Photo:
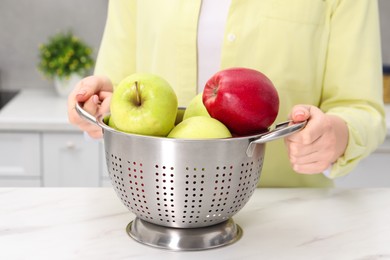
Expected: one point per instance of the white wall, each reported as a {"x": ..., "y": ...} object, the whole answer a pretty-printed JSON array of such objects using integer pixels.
[
  {"x": 384, "y": 9},
  {"x": 24, "y": 24}
]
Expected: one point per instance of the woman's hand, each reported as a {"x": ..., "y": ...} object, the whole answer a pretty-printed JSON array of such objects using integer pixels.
[
  {"x": 322, "y": 141},
  {"x": 95, "y": 92}
]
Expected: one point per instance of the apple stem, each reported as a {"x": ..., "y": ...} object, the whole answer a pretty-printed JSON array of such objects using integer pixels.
[
  {"x": 215, "y": 90},
  {"x": 138, "y": 94}
]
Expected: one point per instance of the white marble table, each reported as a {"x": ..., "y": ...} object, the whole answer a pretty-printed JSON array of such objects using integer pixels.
[{"x": 89, "y": 223}]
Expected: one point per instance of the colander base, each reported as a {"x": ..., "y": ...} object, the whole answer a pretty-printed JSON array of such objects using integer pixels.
[{"x": 184, "y": 239}]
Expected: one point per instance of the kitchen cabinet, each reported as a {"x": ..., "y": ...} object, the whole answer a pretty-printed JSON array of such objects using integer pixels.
[
  {"x": 20, "y": 159},
  {"x": 49, "y": 159},
  {"x": 40, "y": 148},
  {"x": 69, "y": 160}
]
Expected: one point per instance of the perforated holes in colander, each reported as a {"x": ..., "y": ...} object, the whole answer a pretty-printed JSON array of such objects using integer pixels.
[
  {"x": 249, "y": 177},
  {"x": 222, "y": 191},
  {"x": 127, "y": 179},
  {"x": 164, "y": 181},
  {"x": 139, "y": 202},
  {"x": 193, "y": 196},
  {"x": 115, "y": 168}
]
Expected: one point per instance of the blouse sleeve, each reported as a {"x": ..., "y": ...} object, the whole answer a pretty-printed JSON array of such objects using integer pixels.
[{"x": 353, "y": 79}]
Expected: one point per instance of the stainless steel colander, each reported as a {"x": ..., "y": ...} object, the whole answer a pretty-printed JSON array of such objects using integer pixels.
[{"x": 180, "y": 183}]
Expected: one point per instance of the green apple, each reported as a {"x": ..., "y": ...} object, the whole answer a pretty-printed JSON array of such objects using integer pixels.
[
  {"x": 200, "y": 127},
  {"x": 144, "y": 104},
  {"x": 196, "y": 108},
  {"x": 110, "y": 123}
]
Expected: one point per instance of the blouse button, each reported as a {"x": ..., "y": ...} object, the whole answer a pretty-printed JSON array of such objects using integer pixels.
[{"x": 231, "y": 37}]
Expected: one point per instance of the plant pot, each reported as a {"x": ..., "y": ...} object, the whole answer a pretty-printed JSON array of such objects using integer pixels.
[{"x": 64, "y": 86}]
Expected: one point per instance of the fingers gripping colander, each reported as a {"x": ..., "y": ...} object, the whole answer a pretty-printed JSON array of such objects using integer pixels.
[{"x": 180, "y": 183}]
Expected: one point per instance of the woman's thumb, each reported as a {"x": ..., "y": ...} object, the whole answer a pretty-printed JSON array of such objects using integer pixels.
[{"x": 300, "y": 113}]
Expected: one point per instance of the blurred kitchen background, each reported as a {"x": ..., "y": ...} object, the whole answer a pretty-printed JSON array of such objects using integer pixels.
[
  {"x": 25, "y": 24},
  {"x": 37, "y": 146}
]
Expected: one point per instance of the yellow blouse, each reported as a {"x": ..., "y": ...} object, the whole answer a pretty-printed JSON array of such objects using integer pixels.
[{"x": 321, "y": 52}]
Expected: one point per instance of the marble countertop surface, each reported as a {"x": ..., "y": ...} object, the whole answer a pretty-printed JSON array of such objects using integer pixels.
[
  {"x": 89, "y": 223},
  {"x": 36, "y": 110}
]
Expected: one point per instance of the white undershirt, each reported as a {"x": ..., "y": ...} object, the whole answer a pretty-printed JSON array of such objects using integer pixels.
[{"x": 211, "y": 28}]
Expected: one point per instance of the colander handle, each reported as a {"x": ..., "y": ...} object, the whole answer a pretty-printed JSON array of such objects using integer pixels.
[
  {"x": 84, "y": 114},
  {"x": 281, "y": 130}
]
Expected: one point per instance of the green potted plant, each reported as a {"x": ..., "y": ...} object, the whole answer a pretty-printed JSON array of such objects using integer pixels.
[{"x": 65, "y": 59}]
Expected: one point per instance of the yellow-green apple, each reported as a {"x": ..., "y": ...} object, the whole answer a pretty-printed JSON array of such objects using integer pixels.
[
  {"x": 144, "y": 104},
  {"x": 196, "y": 108},
  {"x": 200, "y": 127},
  {"x": 243, "y": 99},
  {"x": 110, "y": 123}
]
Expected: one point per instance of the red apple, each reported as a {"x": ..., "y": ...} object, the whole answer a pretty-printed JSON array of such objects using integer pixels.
[{"x": 243, "y": 99}]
